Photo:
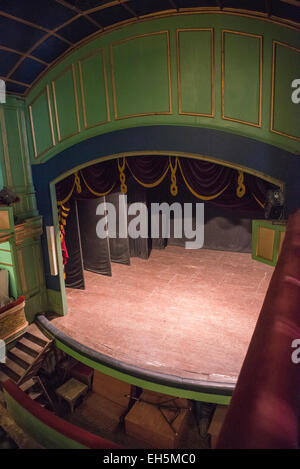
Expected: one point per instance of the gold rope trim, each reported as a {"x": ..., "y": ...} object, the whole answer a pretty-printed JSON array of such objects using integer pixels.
[
  {"x": 241, "y": 188},
  {"x": 62, "y": 202},
  {"x": 98, "y": 194},
  {"x": 154, "y": 184},
  {"x": 174, "y": 187},
  {"x": 258, "y": 201},
  {"x": 78, "y": 183},
  {"x": 122, "y": 175},
  {"x": 202, "y": 197}
]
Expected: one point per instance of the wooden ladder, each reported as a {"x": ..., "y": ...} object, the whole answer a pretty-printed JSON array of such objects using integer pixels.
[{"x": 24, "y": 361}]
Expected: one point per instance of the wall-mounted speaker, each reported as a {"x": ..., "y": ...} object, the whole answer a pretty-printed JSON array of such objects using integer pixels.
[{"x": 274, "y": 204}]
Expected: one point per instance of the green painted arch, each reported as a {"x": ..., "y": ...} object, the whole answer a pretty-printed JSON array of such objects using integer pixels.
[{"x": 224, "y": 72}]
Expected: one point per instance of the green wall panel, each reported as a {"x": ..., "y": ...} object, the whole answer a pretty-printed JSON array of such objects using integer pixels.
[
  {"x": 241, "y": 77},
  {"x": 141, "y": 75},
  {"x": 41, "y": 123},
  {"x": 66, "y": 104},
  {"x": 93, "y": 85},
  {"x": 286, "y": 67},
  {"x": 13, "y": 132},
  {"x": 139, "y": 88},
  {"x": 195, "y": 72},
  {"x": 14, "y": 156}
]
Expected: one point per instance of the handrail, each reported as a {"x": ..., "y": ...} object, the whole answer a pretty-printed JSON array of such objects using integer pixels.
[
  {"x": 165, "y": 379},
  {"x": 264, "y": 409},
  {"x": 68, "y": 430}
]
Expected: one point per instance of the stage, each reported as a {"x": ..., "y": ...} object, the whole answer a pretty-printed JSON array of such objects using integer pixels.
[{"x": 190, "y": 314}]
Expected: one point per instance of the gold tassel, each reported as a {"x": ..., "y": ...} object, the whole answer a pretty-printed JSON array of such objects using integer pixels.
[
  {"x": 241, "y": 188},
  {"x": 78, "y": 183},
  {"x": 122, "y": 176},
  {"x": 174, "y": 187}
]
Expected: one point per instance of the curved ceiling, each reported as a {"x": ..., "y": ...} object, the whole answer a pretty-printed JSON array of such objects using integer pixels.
[{"x": 34, "y": 35}]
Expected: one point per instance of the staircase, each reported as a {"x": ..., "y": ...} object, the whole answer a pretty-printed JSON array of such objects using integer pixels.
[{"x": 23, "y": 362}]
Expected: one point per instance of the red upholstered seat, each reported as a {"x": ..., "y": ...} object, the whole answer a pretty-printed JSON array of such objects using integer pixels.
[{"x": 17, "y": 302}]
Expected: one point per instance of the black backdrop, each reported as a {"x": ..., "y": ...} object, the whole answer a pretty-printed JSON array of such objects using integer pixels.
[{"x": 228, "y": 217}]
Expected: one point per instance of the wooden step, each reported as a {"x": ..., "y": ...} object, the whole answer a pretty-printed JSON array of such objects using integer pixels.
[
  {"x": 30, "y": 343},
  {"x": 34, "y": 394},
  {"x": 10, "y": 373},
  {"x": 28, "y": 385},
  {"x": 3, "y": 376},
  {"x": 15, "y": 367},
  {"x": 27, "y": 347},
  {"x": 36, "y": 331},
  {"x": 37, "y": 340},
  {"x": 15, "y": 358},
  {"x": 22, "y": 355}
]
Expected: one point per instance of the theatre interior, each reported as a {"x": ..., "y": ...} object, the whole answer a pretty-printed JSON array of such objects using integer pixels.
[{"x": 182, "y": 119}]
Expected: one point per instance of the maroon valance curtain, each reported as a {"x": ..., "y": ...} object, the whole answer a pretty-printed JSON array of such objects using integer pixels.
[{"x": 207, "y": 181}]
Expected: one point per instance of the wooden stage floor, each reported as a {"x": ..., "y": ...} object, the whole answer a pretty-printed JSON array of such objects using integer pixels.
[{"x": 186, "y": 313}]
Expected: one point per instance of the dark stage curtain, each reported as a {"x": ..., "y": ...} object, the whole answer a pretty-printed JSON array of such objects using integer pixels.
[
  {"x": 148, "y": 171},
  {"x": 96, "y": 253},
  {"x": 219, "y": 185},
  {"x": 170, "y": 179},
  {"x": 74, "y": 267},
  {"x": 98, "y": 180},
  {"x": 119, "y": 246},
  {"x": 139, "y": 247}
]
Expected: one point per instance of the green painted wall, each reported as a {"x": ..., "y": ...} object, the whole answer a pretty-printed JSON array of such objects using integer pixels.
[
  {"x": 42, "y": 433},
  {"x": 14, "y": 156},
  {"x": 20, "y": 254},
  {"x": 205, "y": 70}
]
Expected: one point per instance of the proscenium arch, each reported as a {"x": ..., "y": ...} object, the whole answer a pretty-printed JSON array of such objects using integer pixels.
[{"x": 242, "y": 153}]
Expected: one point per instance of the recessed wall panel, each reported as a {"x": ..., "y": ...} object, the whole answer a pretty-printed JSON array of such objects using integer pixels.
[
  {"x": 41, "y": 123},
  {"x": 285, "y": 114},
  {"x": 242, "y": 77},
  {"x": 141, "y": 75},
  {"x": 195, "y": 62},
  {"x": 94, "y": 93},
  {"x": 66, "y": 104}
]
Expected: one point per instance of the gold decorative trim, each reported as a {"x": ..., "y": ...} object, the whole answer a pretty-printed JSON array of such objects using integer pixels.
[
  {"x": 258, "y": 36},
  {"x": 274, "y": 44},
  {"x": 5, "y": 148},
  {"x": 212, "y": 114},
  {"x": 70, "y": 67},
  {"x": 26, "y": 149},
  {"x": 22, "y": 147},
  {"x": 113, "y": 77},
  {"x": 181, "y": 12},
  {"x": 21, "y": 270},
  {"x": 7, "y": 265},
  {"x": 101, "y": 53},
  {"x": 36, "y": 154}
]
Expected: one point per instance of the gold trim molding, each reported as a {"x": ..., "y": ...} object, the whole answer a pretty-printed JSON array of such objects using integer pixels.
[
  {"x": 113, "y": 77},
  {"x": 278, "y": 132},
  {"x": 258, "y": 36},
  {"x": 101, "y": 54},
  {"x": 47, "y": 91},
  {"x": 212, "y": 58},
  {"x": 72, "y": 68}
]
